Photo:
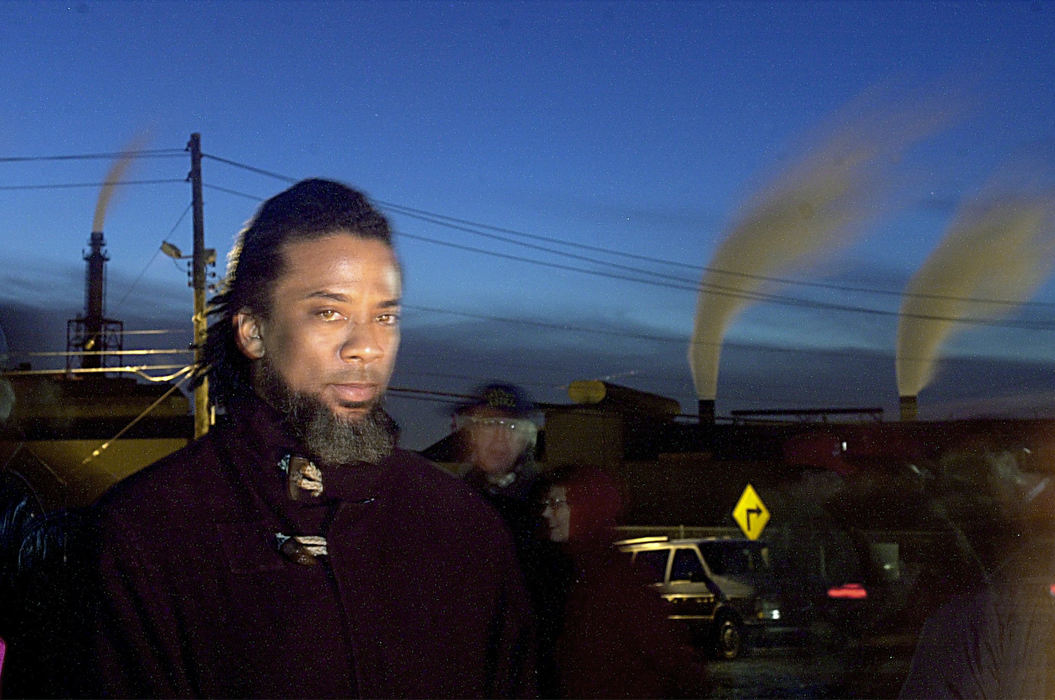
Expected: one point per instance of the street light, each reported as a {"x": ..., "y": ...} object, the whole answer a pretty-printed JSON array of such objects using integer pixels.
[{"x": 176, "y": 254}]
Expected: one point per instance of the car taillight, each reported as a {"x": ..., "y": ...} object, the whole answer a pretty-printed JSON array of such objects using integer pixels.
[{"x": 851, "y": 591}]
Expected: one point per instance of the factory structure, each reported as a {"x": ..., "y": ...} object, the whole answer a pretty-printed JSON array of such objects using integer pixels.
[{"x": 70, "y": 435}]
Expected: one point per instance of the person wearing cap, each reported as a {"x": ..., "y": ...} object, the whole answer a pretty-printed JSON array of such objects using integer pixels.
[
  {"x": 500, "y": 435},
  {"x": 499, "y": 439}
]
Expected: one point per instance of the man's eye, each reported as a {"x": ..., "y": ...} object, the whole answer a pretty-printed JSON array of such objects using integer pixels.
[
  {"x": 388, "y": 319},
  {"x": 327, "y": 314}
]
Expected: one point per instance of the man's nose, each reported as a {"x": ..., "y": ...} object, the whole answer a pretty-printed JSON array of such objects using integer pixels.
[
  {"x": 501, "y": 434},
  {"x": 362, "y": 343}
]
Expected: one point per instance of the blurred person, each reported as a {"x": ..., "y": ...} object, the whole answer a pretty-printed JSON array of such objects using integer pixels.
[
  {"x": 614, "y": 638},
  {"x": 995, "y": 637},
  {"x": 499, "y": 438},
  {"x": 500, "y": 441},
  {"x": 295, "y": 550}
]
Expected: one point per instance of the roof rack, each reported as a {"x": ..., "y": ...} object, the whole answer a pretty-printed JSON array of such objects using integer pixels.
[{"x": 644, "y": 540}]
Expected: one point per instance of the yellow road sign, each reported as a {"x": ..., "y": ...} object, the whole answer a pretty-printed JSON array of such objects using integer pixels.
[{"x": 750, "y": 513}]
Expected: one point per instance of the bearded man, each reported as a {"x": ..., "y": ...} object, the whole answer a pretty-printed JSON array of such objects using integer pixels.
[{"x": 294, "y": 550}]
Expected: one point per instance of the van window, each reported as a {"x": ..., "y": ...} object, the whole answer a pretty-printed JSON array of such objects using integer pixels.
[
  {"x": 687, "y": 566},
  {"x": 655, "y": 562},
  {"x": 733, "y": 559}
]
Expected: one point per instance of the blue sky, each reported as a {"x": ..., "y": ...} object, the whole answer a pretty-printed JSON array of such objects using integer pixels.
[{"x": 623, "y": 138}]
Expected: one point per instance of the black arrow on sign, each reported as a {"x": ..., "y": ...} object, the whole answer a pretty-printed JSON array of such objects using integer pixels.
[{"x": 756, "y": 510}]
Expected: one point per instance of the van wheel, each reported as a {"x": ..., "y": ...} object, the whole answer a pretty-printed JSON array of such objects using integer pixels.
[{"x": 728, "y": 638}]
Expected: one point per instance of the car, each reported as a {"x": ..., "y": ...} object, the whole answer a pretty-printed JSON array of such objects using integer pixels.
[{"x": 714, "y": 586}]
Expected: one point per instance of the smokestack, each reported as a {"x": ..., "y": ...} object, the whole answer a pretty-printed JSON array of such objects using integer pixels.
[
  {"x": 94, "y": 295},
  {"x": 706, "y": 411},
  {"x": 909, "y": 408}
]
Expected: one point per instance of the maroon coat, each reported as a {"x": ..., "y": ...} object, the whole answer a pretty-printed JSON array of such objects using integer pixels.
[
  {"x": 418, "y": 596},
  {"x": 616, "y": 640}
]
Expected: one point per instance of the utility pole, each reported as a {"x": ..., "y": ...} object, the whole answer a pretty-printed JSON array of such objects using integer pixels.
[{"x": 198, "y": 262}]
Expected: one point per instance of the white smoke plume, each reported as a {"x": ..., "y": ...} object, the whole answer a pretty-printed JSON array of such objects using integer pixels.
[
  {"x": 817, "y": 206},
  {"x": 998, "y": 250}
]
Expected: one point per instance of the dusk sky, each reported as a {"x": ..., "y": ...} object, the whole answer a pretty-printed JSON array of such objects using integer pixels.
[{"x": 562, "y": 176}]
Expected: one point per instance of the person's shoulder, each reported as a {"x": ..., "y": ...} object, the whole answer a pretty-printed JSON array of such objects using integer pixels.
[
  {"x": 427, "y": 487},
  {"x": 417, "y": 471},
  {"x": 167, "y": 484}
]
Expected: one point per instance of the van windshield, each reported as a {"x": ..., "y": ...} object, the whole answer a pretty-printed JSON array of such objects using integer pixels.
[{"x": 735, "y": 558}]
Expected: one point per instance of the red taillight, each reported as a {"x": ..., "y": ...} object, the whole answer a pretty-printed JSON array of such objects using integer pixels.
[{"x": 852, "y": 591}]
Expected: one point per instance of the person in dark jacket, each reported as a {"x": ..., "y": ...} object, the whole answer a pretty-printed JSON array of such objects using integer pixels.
[
  {"x": 499, "y": 433},
  {"x": 294, "y": 550},
  {"x": 995, "y": 636},
  {"x": 614, "y": 639},
  {"x": 499, "y": 440}
]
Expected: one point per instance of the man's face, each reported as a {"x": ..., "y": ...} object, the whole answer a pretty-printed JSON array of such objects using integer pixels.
[
  {"x": 496, "y": 441},
  {"x": 333, "y": 328},
  {"x": 557, "y": 513}
]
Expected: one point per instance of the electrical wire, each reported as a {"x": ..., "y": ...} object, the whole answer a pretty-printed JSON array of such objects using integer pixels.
[
  {"x": 154, "y": 257},
  {"x": 73, "y": 185},
  {"x": 103, "y": 447},
  {"x": 543, "y": 324},
  {"x": 638, "y": 275},
  {"x": 671, "y": 281},
  {"x": 89, "y": 353},
  {"x": 139, "y": 370},
  {"x": 756, "y": 296},
  {"x": 442, "y": 219},
  {"x": 151, "y": 153},
  {"x": 472, "y": 227}
]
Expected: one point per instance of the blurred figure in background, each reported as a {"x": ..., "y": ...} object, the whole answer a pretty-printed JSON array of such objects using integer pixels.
[
  {"x": 500, "y": 433},
  {"x": 996, "y": 637},
  {"x": 500, "y": 449},
  {"x": 613, "y": 638}
]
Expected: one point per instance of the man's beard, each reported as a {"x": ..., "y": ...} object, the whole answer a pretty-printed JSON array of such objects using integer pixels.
[{"x": 331, "y": 440}]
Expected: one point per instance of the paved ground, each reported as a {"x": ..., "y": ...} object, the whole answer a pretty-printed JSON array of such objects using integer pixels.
[{"x": 873, "y": 668}]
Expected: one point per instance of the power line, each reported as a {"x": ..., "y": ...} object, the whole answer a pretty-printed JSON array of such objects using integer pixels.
[
  {"x": 472, "y": 227},
  {"x": 253, "y": 197},
  {"x": 74, "y": 185},
  {"x": 155, "y": 331},
  {"x": 97, "y": 353},
  {"x": 426, "y": 395},
  {"x": 250, "y": 168},
  {"x": 154, "y": 153},
  {"x": 187, "y": 374},
  {"x": 677, "y": 340},
  {"x": 543, "y": 324},
  {"x": 153, "y": 257},
  {"x": 754, "y": 296},
  {"x": 669, "y": 281}
]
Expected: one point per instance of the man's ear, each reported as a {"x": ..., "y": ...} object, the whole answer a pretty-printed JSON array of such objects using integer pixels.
[{"x": 247, "y": 334}]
